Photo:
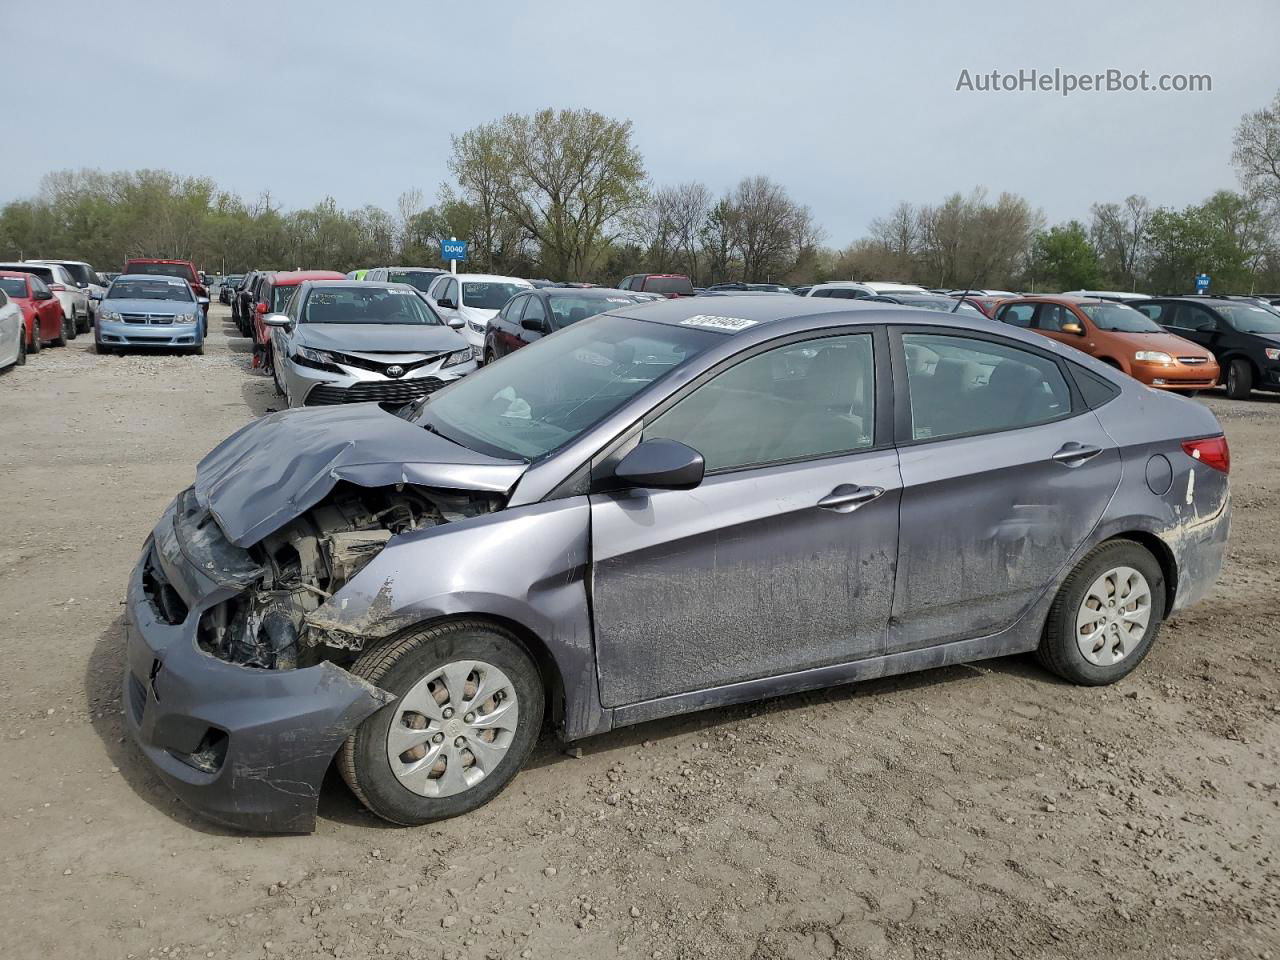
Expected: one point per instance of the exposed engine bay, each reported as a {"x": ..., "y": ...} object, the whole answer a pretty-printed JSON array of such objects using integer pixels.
[{"x": 302, "y": 564}]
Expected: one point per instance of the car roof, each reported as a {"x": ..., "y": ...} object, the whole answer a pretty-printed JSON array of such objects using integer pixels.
[
  {"x": 493, "y": 278},
  {"x": 599, "y": 293},
  {"x": 154, "y": 277},
  {"x": 411, "y": 269},
  {"x": 292, "y": 278},
  {"x": 158, "y": 260},
  {"x": 751, "y": 311}
]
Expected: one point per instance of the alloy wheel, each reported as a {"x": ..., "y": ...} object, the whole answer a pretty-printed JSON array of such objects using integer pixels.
[
  {"x": 1113, "y": 616},
  {"x": 452, "y": 728}
]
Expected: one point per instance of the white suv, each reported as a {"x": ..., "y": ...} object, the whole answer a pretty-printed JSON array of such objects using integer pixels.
[
  {"x": 852, "y": 290},
  {"x": 86, "y": 278},
  {"x": 73, "y": 297}
]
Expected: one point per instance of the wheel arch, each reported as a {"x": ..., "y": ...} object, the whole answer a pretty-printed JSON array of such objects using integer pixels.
[{"x": 1163, "y": 554}]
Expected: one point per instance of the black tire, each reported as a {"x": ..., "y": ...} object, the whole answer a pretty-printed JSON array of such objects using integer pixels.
[
  {"x": 197, "y": 351},
  {"x": 488, "y": 358},
  {"x": 73, "y": 328},
  {"x": 86, "y": 326},
  {"x": 101, "y": 348},
  {"x": 61, "y": 339},
  {"x": 399, "y": 664},
  {"x": 1239, "y": 379},
  {"x": 275, "y": 380},
  {"x": 22, "y": 347},
  {"x": 36, "y": 344},
  {"x": 1058, "y": 651}
]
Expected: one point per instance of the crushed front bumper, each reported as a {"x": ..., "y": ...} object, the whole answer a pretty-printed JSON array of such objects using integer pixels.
[{"x": 246, "y": 747}]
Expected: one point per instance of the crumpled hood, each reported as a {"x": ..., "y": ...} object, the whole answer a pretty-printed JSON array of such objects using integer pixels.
[
  {"x": 281, "y": 465},
  {"x": 365, "y": 338}
]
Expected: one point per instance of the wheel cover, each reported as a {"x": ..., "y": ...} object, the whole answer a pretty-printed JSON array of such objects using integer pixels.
[
  {"x": 453, "y": 728},
  {"x": 1114, "y": 616}
]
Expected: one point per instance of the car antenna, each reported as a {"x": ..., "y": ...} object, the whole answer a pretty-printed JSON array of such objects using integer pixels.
[{"x": 962, "y": 296}]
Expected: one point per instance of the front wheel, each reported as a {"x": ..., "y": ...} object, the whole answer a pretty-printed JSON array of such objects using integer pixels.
[
  {"x": 72, "y": 328},
  {"x": 1106, "y": 616},
  {"x": 468, "y": 708},
  {"x": 36, "y": 343},
  {"x": 1239, "y": 379},
  {"x": 21, "y": 361}
]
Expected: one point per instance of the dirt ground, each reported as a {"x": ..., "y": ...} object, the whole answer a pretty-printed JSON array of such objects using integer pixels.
[{"x": 978, "y": 811}]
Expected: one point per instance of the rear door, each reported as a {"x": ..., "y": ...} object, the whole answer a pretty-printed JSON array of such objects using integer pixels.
[
  {"x": 782, "y": 559},
  {"x": 1005, "y": 472}
]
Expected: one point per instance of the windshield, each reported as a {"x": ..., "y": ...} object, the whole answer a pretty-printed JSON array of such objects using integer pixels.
[
  {"x": 567, "y": 308},
  {"x": 367, "y": 305},
  {"x": 280, "y": 298},
  {"x": 415, "y": 278},
  {"x": 544, "y": 396},
  {"x": 1118, "y": 318},
  {"x": 180, "y": 270},
  {"x": 1251, "y": 319},
  {"x": 14, "y": 286},
  {"x": 489, "y": 295},
  {"x": 149, "y": 290},
  {"x": 668, "y": 285}
]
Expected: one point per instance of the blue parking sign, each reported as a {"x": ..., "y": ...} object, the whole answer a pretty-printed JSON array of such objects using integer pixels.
[
  {"x": 1202, "y": 282},
  {"x": 453, "y": 250}
]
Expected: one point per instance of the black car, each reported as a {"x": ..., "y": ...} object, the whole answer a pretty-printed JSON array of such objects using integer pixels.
[
  {"x": 238, "y": 298},
  {"x": 1243, "y": 336},
  {"x": 228, "y": 286},
  {"x": 538, "y": 312},
  {"x": 248, "y": 297},
  {"x": 740, "y": 287}
]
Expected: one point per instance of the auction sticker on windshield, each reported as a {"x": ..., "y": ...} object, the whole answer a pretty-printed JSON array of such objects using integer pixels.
[{"x": 731, "y": 324}]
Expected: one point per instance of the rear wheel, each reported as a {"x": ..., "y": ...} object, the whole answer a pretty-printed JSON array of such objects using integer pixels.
[
  {"x": 61, "y": 339},
  {"x": 468, "y": 708},
  {"x": 488, "y": 357},
  {"x": 1239, "y": 379},
  {"x": 1106, "y": 616},
  {"x": 83, "y": 324},
  {"x": 22, "y": 351},
  {"x": 35, "y": 344}
]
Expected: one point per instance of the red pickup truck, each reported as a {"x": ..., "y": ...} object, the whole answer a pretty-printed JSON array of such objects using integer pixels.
[{"x": 182, "y": 269}]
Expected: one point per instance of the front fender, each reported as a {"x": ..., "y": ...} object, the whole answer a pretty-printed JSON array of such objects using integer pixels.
[{"x": 527, "y": 565}]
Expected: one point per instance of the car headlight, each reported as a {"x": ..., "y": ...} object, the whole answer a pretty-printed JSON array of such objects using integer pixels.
[
  {"x": 457, "y": 357},
  {"x": 320, "y": 359},
  {"x": 1152, "y": 356},
  {"x": 111, "y": 316},
  {"x": 477, "y": 327},
  {"x": 185, "y": 318},
  {"x": 1272, "y": 354}
]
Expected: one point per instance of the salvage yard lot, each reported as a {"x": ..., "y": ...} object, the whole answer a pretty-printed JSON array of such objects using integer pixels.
[{"x": 986, "y": 810}]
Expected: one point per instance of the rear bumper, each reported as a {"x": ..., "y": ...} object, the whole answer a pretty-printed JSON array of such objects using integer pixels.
[
  {"x": 245, "y": 747},
  {"x": 1199, "y": 551}
]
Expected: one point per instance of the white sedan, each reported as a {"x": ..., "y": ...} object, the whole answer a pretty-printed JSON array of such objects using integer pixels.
[{"x": 13, "y": 334}]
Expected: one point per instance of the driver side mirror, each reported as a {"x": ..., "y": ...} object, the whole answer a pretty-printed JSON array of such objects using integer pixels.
[
  {"x": 534, "y": 324},
  {"x": 457, "y": 323},
  {"x": 44, "y": 295},
  {"x": 277, "y": 320},
  {"x": 1074, "y": 328},
  {"x": 662, "y": 464},
  {"x": 446, "y": 303}
]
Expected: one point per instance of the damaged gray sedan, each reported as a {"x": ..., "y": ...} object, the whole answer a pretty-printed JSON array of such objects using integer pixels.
[{"x": 654, "y": 511}]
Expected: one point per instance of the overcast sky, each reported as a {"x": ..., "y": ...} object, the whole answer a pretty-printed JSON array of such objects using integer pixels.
[{"x": 852, "y": 107}]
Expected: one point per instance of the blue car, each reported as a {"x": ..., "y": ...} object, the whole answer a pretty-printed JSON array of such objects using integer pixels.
[{"x": 149, "y": 311}]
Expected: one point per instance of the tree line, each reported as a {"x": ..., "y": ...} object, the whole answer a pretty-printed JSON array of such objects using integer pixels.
[{"x": 564, "y": 194}]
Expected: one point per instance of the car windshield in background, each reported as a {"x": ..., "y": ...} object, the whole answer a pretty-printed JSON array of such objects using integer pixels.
[
  {"x": 149, "y": 290},
  {"x": 487, "y": 295},
  {"x": 567, "y": 308},
  {"x": 367, "y": 305},
  {"x": 539, "y": 399},
  {"x": 280, "y": 298},
  {"x": 14, "y": 286},
  {"x": 1119, "y": 318},
  {"x": 668, "y": 285},
  {"x": 181, "y": 271},
  {"x": 1251, "y": 319},
  {"x": 415, "y": 278},
  {"x": 942, "y": 305},
  {"x": 80, "y": 273}
]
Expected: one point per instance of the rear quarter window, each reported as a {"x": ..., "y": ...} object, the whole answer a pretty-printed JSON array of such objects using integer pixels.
[{"x": 1095, "y": 389}]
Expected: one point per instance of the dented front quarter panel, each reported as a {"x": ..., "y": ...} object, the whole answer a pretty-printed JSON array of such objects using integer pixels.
[
  {"x": 525, "y": 565},
  {"x": 283, "y": 727}
]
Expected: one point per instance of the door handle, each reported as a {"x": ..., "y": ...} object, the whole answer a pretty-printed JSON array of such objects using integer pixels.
[
  {"x": 1073, "y": 454},
  {"x": 849, "y": 497}
]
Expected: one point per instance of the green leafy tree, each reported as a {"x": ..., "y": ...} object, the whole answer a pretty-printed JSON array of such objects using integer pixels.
[{"x": 1063, "y": 257}]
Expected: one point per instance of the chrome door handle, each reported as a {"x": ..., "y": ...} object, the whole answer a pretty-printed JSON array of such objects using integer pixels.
[
  {"x": 849, "y": 497},
  {"x": 1073, "y": 454}
]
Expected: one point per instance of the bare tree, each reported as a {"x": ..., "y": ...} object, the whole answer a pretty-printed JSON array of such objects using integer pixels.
[{"x": 1257, "y": 151}]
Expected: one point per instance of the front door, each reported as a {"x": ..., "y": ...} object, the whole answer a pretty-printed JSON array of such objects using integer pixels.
[
  {"x": 782, "y": 559},
  {"x": 1004, "y": 476}
]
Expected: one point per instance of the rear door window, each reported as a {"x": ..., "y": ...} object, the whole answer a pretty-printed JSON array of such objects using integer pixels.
[{"x": 1017, "y": 314}]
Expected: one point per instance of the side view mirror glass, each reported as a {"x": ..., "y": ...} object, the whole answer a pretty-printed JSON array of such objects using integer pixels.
[
  {"x": 662, "y": 464},
  {"x": 277, "y": 320}
]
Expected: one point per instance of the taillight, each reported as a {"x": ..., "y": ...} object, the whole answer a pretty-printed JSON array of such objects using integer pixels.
[
  {"x": 57, "y": 288},
  {"x": 1211, "y": 451}
]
